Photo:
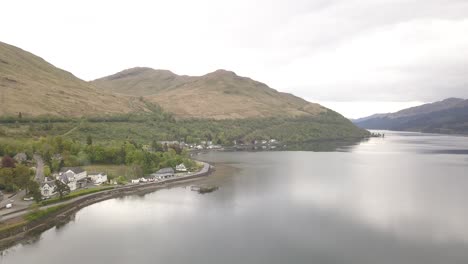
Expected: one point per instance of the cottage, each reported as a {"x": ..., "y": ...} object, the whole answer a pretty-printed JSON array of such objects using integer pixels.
[
  {"x": 69, "y": 179},
  {"x": 98, "y": 178},
  {"x": 48, "y": 188},
  {"x": 181, "y": 167},
  {"x": 74, "y": 177},
  {"x": 163, "y": 173},
  {"x": 79, "y": 173}
]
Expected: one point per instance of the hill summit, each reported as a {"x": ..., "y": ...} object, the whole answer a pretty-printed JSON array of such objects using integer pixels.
[{"x": 220, "y": 94}]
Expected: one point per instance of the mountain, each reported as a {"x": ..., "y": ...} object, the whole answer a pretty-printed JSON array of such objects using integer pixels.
[
  {"x": 220, "y": 105},
  {"x": 218, "y": 95},
  {"x": 447, "y": 116},
  {"x": 32, "y": 86}
]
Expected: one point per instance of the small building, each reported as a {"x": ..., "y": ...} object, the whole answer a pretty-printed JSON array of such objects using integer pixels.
[
  {"x": 48, "y": 188},
  {"x": 69, "y": 179},
  {"x": 163, "y": 173},
  {"x": 20, "y": 157},
  {"x": 181, "y": 167},
  {"x": 98, "y": 178},
  {"x": 79, "y": 173},
  {"x": 136, "y": 181}
]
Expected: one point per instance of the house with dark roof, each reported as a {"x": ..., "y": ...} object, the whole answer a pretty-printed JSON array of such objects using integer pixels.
[
  {"x": 69, "y": 179},
  {"x": 163, "y": 173},
  {"x": 74, "y": 177},
  {"x": 78, "y": 172}
]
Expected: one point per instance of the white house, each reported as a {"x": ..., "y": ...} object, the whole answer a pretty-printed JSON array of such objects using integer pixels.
[
  {"x": 69, "y": 179},
  {"x": 98, "y": 178},
  {"x": 72, "y": 176},
  {"x": 78, "y": 172},
  {"x": 47, "y": 188},
  {"x": 181, "y": 167},
  {"x": 136, "y": 181}
]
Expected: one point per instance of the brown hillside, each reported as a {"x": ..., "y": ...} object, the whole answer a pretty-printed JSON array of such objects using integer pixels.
[
  {"x": 32, "y": 86},
  {"x": 218, "y": 95}
]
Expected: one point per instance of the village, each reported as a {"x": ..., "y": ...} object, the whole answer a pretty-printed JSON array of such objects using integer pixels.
[
  {"x": 256, "y": 144},
  {"x": 70, "y": 180},
  {"x": 78, "y": 180}
]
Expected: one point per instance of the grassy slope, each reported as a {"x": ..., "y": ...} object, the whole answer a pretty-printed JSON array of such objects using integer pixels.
[
  {"x": 217, "y": 95},
  {"x": 30, "y": 85}
]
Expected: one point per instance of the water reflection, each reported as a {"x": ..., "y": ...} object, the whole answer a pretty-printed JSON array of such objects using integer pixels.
[
  {"x": 398, "y": 199},
  {"x": 411, "y": 196}
]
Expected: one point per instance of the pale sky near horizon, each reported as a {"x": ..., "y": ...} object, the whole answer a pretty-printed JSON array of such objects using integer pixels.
[{"x": 358, "y": 57}]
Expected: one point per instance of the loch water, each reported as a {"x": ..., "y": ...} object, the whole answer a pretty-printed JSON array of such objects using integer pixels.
[{"x": 393, "y": 200}]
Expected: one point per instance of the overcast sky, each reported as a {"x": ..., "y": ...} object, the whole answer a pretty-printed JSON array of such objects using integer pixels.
[{"x": 356, "y": 56}]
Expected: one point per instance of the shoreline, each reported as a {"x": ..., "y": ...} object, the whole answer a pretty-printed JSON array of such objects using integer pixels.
[{"x": 24, "y": 229}]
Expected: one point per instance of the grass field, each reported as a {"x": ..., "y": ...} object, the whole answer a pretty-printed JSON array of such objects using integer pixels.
[{"x": 112, "y": 171}]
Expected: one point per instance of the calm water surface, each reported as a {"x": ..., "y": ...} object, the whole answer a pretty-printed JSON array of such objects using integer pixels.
[{"x": 401, "y": 199}]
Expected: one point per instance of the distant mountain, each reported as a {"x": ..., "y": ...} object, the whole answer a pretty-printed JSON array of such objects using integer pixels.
[
  {"x": 218, "y": 95},
  {"x": 32, "y": 86},
  {"x": 447, "y": 116}
]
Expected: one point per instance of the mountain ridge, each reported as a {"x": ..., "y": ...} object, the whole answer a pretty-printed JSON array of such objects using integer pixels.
[
  {"x": 220, "y": 94},
  {"x": 447, "y": 116}
]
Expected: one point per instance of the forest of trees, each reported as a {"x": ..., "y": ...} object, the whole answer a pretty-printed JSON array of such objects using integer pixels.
[{"x": 162, "y": 126}]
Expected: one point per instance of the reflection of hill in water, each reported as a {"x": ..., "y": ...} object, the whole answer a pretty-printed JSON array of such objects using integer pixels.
[{"x": 328, "y": 145}]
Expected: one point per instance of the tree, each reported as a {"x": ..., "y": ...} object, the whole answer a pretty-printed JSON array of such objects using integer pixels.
[
  {"x": 61, "y": 188},
  {"x": 7, "y": 176},
  {"x": 47, "y": 171},
  {"x": 89, "y": 140},
  {"x": 22, "y": 176},
  {"x": 34, "y": 190},
  {"x": 156, "y": 147},
  {"x": 8, "y": 162}
]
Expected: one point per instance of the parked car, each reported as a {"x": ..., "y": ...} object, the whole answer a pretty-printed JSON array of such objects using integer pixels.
[
  {"x": 28, "y": 198},
  {"x": 7, "y": 206}
]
